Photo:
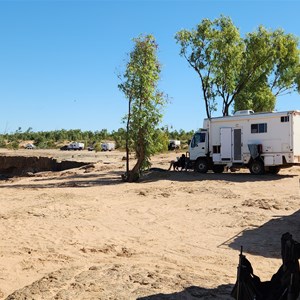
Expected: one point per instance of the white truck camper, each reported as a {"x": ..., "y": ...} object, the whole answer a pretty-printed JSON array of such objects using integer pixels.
[
  {"x": 174, "y": 144},
  {"x": 75, "y": 146},
  {"x": 108, "y": 146},
  {"x": 262, "y": 142}
]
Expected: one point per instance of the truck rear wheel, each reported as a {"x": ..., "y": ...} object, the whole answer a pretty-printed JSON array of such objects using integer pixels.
[
  {"x": 201, "y": 166},
  {"x": 257, "y": 167},
  {"x": 218, "y": 168},
  {"x": 274, "y": 169}
]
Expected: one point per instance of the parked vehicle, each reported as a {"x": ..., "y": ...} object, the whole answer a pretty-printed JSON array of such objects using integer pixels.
[
  {"x": 73, "y": 146},
  {"x": 262, "y": 142},
  {"x": 173, "y": 144},
  {"x": 30, "y": 146},
  {"x": 108, "y": 146}
]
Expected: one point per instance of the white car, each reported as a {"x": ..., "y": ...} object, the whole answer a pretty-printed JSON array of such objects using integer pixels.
[{"x": 30, "y": 146}]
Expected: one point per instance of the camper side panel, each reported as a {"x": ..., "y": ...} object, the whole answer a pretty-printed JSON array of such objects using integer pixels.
[
  {"x": 296, "y": 135},
  {"x": 273, "y": 132}
]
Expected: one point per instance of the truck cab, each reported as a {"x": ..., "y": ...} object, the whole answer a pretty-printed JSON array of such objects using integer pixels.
[
  {"x": 199, "y": 144},
  {"x": 199, "y": 156}
]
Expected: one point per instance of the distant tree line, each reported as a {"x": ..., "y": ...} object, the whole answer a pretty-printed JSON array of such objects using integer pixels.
[{"x": 55, "y": 139}]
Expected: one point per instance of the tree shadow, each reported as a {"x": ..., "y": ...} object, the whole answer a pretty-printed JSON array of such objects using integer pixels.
[
  {"x": 194, "y": 292},
  {"x": 188, "y": 176},
  {"x": 74, "y": 180},
  {"x": 153, "y": 175},
  {"x": 265, "y": 240}
]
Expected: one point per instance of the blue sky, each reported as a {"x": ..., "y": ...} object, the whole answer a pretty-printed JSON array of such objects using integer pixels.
[{"x": 59, "y": 60}]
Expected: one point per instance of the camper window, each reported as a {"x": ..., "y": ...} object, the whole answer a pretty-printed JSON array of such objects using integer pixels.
[
  {"x": 217, "y": 149},
  {"x": 259, "y": 128},
  {"x": 285, "y": 119}
]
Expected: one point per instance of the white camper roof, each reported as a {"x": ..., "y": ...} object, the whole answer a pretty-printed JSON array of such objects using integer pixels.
[
  {"x": 243, "y": 112},
  {"x": 253, "y": 115}
]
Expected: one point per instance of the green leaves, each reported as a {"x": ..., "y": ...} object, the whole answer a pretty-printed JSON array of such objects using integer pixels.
[
  {"x": 214, "y": 51},
  {"x": 140, "y": 87},
  {"x": 232, "y": 69}
]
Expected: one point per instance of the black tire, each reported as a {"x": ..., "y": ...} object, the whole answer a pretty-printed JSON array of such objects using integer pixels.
[
  {"x": 257, "y": 167},
  {"x": 201, "y": 166},
  {"x": 274, "y": 170},
  {"x": 218, "y": 168}
]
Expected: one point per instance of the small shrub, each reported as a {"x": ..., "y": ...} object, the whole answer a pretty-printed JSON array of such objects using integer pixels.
[
  {"x": 97, "y": 147},
  {"x": 2, "y": 143},
  {"x": 13, "y": 145}
]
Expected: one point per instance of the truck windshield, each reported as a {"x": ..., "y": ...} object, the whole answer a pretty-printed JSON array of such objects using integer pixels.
[{"x": 199, "y": 137}]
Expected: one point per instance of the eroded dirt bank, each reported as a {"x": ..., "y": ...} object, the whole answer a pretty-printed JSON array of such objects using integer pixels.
[
  {"x": 22, "y": 165},
  {"x": 22, "y": 162}
]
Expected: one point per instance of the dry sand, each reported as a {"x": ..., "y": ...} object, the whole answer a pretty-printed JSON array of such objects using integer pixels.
[{"x": 83, "y": 234}]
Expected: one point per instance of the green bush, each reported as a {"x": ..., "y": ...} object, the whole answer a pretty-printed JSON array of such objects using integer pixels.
[
  {"x": 13, "y": 145},
  {"x": 2, "y": 143},
  {"x": 97, "y": 147}
]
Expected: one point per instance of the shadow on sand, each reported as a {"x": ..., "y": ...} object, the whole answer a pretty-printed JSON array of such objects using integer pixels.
[
  {"x": 193, "y": 292},
  {"x": 157, "y": 174},
  {"x": 265, "y": 240},
  {"x": 113, "y": 177},
  {"x": 75, "y": 180}
]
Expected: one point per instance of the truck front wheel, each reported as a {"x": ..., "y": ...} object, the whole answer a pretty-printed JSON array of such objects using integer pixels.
[
  {"x": 257, "y": 167},
  {"x": 201, "y": 166}
]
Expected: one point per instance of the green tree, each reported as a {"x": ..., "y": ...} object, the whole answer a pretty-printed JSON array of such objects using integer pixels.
[
  {"x": 162, "y": 141},
  {"x": 277, "y": 56},
  {"x": 119, "y": 137},
  {"x": 104, "y": 134},
  {"x": 231, "y": 68},
  {"x": 140, "y": 87},
  {"x": 257, "y": 97},
  {"x": 215, "y": 51}
]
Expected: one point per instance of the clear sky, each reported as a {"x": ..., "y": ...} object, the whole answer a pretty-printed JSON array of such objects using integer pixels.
[{"x": 59, "y": 60}]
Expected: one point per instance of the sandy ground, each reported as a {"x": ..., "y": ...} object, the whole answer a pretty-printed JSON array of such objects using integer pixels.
[{"x": 83, "y": 234}]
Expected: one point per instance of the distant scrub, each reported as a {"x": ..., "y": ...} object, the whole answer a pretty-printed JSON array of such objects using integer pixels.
[{"x": 57, "y": 138}]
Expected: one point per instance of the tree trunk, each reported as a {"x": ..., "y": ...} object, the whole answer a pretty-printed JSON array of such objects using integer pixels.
[
  {"x": 225, "y": 110},
  {"x": 134, "y": 174},
  {"x": 127, "y": 135}
]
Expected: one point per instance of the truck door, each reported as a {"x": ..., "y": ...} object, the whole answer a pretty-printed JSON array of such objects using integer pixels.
[
  {"x": 237, "y": 145},
  {"x": 225, "y": 133},
  {"x": 198, "y": 145}
]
